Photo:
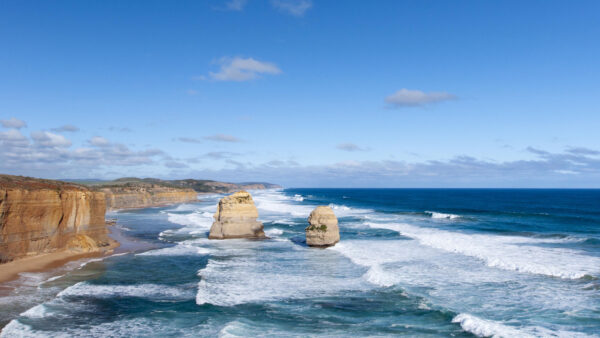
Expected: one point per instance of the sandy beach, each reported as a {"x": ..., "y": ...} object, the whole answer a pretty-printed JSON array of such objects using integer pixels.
[{"x": 10, "y": 271}]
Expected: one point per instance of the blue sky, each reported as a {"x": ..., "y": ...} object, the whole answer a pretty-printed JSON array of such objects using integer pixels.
[{"x": 303, "y": 92}]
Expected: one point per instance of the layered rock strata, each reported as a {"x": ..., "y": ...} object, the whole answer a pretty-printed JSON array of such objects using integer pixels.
[
  {"x": 236, "y": 218},
  {"x": 144, "y": 196},
  {"x": 323, "y": 230},
  {"x": 43, "y": 216}
]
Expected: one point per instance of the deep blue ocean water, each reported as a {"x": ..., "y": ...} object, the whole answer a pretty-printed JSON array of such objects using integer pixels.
[{"x": 413, "y": 262}]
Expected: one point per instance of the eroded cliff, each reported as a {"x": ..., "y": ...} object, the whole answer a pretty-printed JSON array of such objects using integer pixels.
[
  {"x": 43, "y": 216},
  {"x": 130, "y": 196}
]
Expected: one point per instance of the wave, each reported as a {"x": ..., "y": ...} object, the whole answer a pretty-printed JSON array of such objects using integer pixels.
[
  {"x": 138, "y": 327},
  {"x": 184, "y": 207},
  {"x": 38, "y": 311},
  {"x": 195, "y": 219},
  {"x": 441, "y": 215},
  {"x": 274, "y": 232},
  {"x": 178, "y": 250},
  {"x": 17, "y": 329},
  {"x": 490, "y": 328},
  {"x": 275, "y": 202},
  {"x": 462, "y": 284},
  {"x": 345, "y": 211},
  {"x": 154, "y": 291},
  {"x": 51, "y": 279},
  {"x": 521, "y": 254},
  {"x": 246, "y": 328},
  {"x": 251, "y": 278}
]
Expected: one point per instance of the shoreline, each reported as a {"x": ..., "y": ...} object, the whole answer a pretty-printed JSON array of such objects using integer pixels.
[{"x": 49, "y": 261}]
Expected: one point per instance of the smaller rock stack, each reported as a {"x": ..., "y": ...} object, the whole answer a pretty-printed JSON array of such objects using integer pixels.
[
  {"x": 236, "y": 218},
  {"x": 323, "y": 230}
]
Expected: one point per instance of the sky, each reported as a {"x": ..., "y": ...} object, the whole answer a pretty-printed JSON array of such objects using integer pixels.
[{"x": 303, "y": 93}]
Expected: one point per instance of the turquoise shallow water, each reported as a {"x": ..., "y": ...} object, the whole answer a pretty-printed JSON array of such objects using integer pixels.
[{"x": 410, "y": 262}]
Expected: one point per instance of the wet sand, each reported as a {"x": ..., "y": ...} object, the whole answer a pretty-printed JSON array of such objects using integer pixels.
[{"x": 10, "y": 271}]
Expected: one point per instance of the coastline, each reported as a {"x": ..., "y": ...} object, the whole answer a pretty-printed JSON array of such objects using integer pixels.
[
  {"x": 49, "y": 261},
  {"x": 159, "y": 205}
]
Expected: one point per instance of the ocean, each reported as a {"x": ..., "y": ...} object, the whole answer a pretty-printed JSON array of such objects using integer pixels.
[{"x": 412, "y": 262}]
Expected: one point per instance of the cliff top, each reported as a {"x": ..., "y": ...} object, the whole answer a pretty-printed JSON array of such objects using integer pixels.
[
  {"x": 206, "y": 186},
  {"x": 203, "y": 186},
  {"x": 30, "y": 183}
]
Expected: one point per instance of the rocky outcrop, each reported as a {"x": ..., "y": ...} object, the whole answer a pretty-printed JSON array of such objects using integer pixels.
[
  {"x": 323, "y": 228},
  {"x": 236, "y": 218},
  {"x": 43, "y": 216},
  {"x": 145, "y": 195}
]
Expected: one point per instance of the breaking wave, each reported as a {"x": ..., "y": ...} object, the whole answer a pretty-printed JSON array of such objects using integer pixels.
[{"x": 441, "y": 215}]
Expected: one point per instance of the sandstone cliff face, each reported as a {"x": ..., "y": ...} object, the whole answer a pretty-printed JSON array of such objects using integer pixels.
[
  {"x": 236, "y": 218},
  {"x": 144, "y": 196},
  {"x": 323, "y": 228},
  {"x": 41, "y": 216}
]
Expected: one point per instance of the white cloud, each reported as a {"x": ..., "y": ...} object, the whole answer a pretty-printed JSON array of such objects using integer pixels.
[
  {"x": 235, "y": 5},
  {"x": 48, "y": 139},
  {"x": 240, "y": 69},
  {"x": 99, "y": 141},
  {"x": 66, "y": 128},
  {"x": 350, "y": 147},
  {"x": 293, "y": 7},
  {"x": 49, "y": 156},
  {"x": 12, "y": 140},
  {"x": 189, "y": 140},
  {"x": 13, "y": 123},
  {"x": 546, "y": 170},
  {"x": 413, "y": 98},
  {"x": 222, "y": 138}
]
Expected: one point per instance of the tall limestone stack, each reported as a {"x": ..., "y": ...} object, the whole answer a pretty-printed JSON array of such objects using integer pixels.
[
  {"x": 323, "y": 228},
  {"x": 236, "y": 218}
]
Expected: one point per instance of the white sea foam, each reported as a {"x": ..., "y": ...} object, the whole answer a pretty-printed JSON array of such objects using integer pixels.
[
  {"x": 522, "y": 254},
  {"x": 38, "y": 311},
  {"x": 345, "y": 211},
  {"x": 461, "y": 283},
  {"x": 90, "y": 261},
  {"x": 184, "y": 207},
  {"x": 487, "y": 328},
  {"x": 275, "y": 202},
  {"x": 153, "y": 291},
  {"x": 17, "y": 329},
  {"x": 138, "y": 327},
  {"x": 202, "y": 220},
  {"x": 298, "y": 198},
  {"x": 273, "y": 232},
  {"x": 53, "y": 278},
  {"x": 490, "y": 328},
  {"x": 249, "y": 277},
  {"x": 375, "y": 254},
  {"x": 242, "y": 328},
  {"x": 177, "y": 250},
  {"x": 441, "y": 215}
]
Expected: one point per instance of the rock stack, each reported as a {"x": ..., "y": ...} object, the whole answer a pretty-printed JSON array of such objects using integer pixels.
[
  {"x": 323, "y": 228},
  {"x": 236, "y": 218}
]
